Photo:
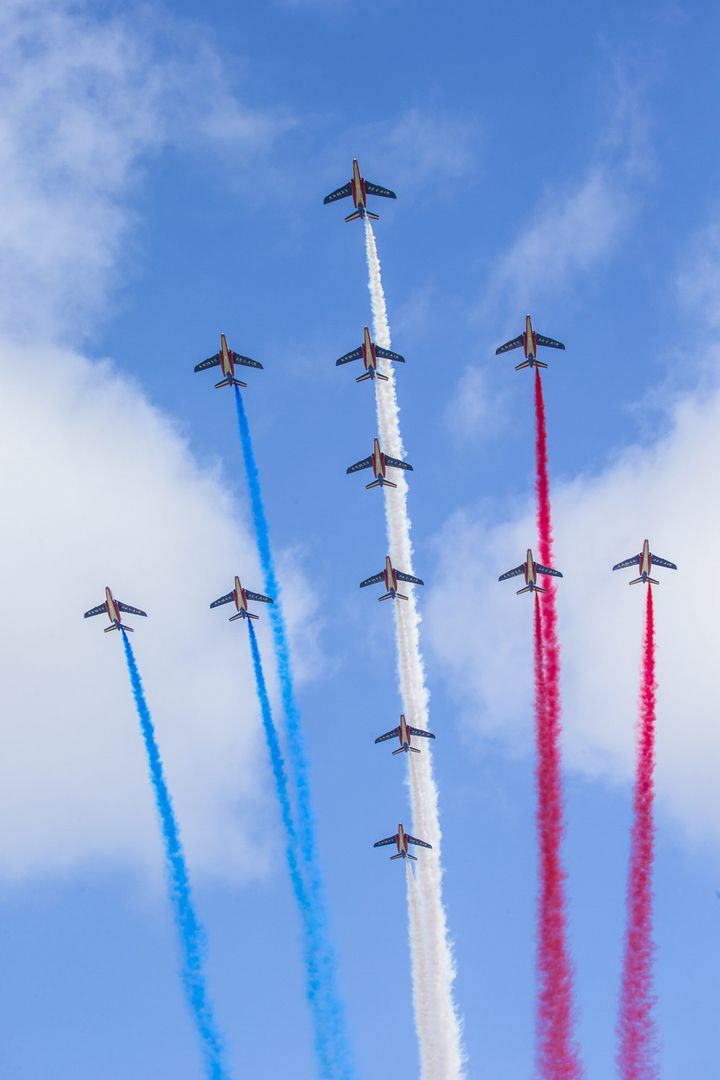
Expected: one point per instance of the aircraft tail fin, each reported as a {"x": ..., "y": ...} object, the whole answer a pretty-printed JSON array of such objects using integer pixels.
[
  {"x": 229, "y": 381},
  {"x": 242, "y": 615},
  {"x": 529, "y": 363},
  {"x": 381, "y": 482},
  {"x": 116, "y": 626}
]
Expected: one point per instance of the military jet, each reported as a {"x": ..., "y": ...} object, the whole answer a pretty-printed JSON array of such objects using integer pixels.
[
  {"x": 112, "y": 608},
  {"x": 241, "y": 596},
  {"x": 529, "y": 340},
  {"x": 403, "y": 732},
  {"x": 227, "y": 360},
  {"x": 368, "y": 352},
  {"x": 530, "y": 569},
  {"x": 645, "y": 561},
  {"x": 401, "y": 839},
  {"x": 359, "y": 189},
  {"x": 379, "y": 463},
  {"x": 391, "y": 577}
]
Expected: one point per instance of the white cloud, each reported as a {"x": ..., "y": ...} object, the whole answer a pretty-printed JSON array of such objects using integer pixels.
[
  {"x": 578, "y": 224},
  {"x": 664, "y": 491},
  {"x": 97, "y": 486},
  {"x": 82, "y": 103}
]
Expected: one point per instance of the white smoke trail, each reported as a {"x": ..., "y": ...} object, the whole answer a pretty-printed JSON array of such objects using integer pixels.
[{"x": 433, "y": 968}]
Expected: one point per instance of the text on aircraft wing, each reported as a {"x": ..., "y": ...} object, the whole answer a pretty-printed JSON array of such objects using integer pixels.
[
  {"x": 340, "y": 193},
  {"x": 627, "y": 562},
  {"x": 222, "y": 600},
  {"x": 354, "y": 355},
  {"x": 212, "y": 361},
  {"x": 364, "y": 464},
  {"x": 130, "y": 610},
  {"x": 387, "y": 840},
  {"x": 372, "y": 580},
  {"x": 395, "y": 464},
  {"x": 414, "y": 840},
  {"x": 547, "y": 570},
  {"x": 419, "y": 732},
  {"x": 386, "y": 354},
  {"x": 514, "y": 344},
  {"x": 550, "y": 342},
  {"x": 388, "y": 735},
  {"x": 409, "y": 577},
  {"x": 99, "y": 610},
  {"x": 663, "y": 562},
  {"x": 258, "y": 596},
  {"x": 373, "y": 189},
  {"x": 512, "y": 573},
  {"x": 246, "y": 361}
]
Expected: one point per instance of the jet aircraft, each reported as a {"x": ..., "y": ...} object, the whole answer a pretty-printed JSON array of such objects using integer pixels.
[
  {"x": 529, "y": 340},
  {"x": 644, "y": 561},
  {"x": 359, "y": 189},
  {"x": 401, "y": 839},
  {"x": 379, "y": 462},
  {"x": 530, "y": 569},
  {"x": 112, "y": 608},
  {"x": 391, "y": 577},
  {"x": 403, "y": 733},
  {"x": 241, "y": 597},
  {"x": 369, "y": 353},
  {"x": 227, "y": 359}
]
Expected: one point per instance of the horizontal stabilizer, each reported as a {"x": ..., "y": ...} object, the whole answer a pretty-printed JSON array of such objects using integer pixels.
[
  {"x": 353, "y": 217},
  {"x": 116, "y": 626},
  {"x": 382, "y": 482},
  {"x": 373, "y": 217},
  {"x": 367, "y": 375},
  {"x": 529, "y": 363},
  {"x": 399, "y": 855},
  {"x": 388, "y": 596},
  {"x": 229, "y": 382}
]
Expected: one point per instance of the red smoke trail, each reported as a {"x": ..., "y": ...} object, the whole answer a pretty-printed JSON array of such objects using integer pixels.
[
  {"x": 557, "y": 1055},
  {"x": 636, "y": 1030}
]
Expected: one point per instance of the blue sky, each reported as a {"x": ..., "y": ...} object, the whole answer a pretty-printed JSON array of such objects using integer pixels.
[{"x": 162, "y": 173}]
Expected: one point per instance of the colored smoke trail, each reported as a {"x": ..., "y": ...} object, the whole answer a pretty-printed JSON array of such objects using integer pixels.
[
  {"x": 557, "y": 1054},
  {"x": 334, "y": 1031},
  {"x": 637, "y": 1051},
  {"x": 190, "y": 932},
  {"x": 313, "y": 945},
  {"x": 433, "y": 968}
]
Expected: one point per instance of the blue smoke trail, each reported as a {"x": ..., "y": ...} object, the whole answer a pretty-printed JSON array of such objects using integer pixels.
[
  {"x": 313, "y": 947},
  {"x": 332, "y": 1028},
  {"x": 190, "y": 931}
]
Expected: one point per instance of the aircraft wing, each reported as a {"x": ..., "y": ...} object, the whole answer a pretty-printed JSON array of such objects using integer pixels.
[
  {"x": 387, "y": 355},
  {"x": 395, "y": 464},
  {"x": 246, "y": 361},
  {"x": 131, "y": 610},
  {"x": 354, "y": 355},
  {"x": 657, "y": 561},
  {"x": 364, "y": 464},
  {"x": 409, "y": 577},
  {"x": 258, "y": 596},
  {"x": 634, "y": 561},
  {"x": 212, "y": 361},
  {"x": 99, "y": 610},
  {"x": 223, "y": 600},
  {"x": 373, "y": 580},
  {"x": 388, "y": 735},
  {"x": 373, "y": 189},
  {"x": 550, "y": 342},
  {"x": 547, "y": 570},
  {"x": 387, "y": 840},
  {"x": 420, "y": 732},
  {"x": 340, "y": 193},
  {"x": 414, "y": 840},
  {"x": 514, "y": 344},
  {"x": 513, "y": 573}
]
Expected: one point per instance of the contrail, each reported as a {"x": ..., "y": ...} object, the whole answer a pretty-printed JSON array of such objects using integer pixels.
[
  {"x": 637, "y": 1054},
  {"x": 190, "y": 931},
  {"x": 315, "y": 956},
  {"x": 557, "y": 1054},
  {"x": 333, "y": 1023},
  {"x": 433, "y": 967}
]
